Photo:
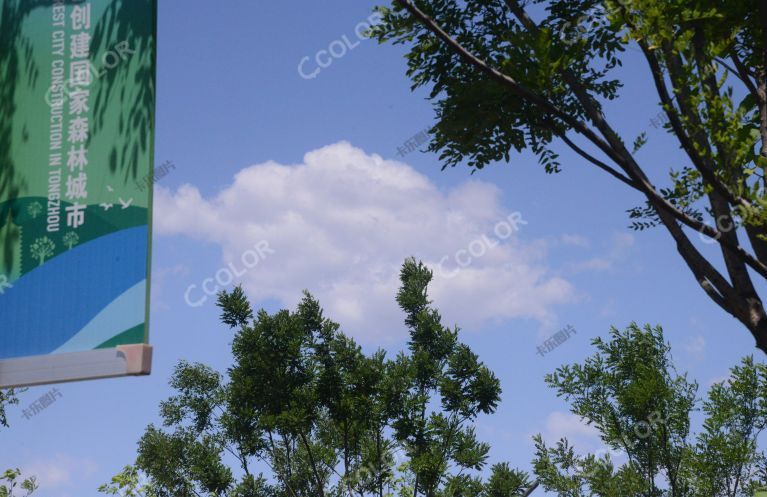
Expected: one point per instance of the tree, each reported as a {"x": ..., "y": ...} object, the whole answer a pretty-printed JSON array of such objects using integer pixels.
[
  {"x": 504, "y": 80},
  {"x": 325, "y": 419},
  {"x": 127, "y": 483},
  {"x": 10, "y": 481},
  {"x": 631, "y": 393},
  {"x": 7, "y": 398},
  {"x": 304, "y": 401},
  {"x": 41, "y": 249},
  {"x": 70, "y": 239},
  {"x": 441, "y": 371},
  {"x": 34, "y": 209}
]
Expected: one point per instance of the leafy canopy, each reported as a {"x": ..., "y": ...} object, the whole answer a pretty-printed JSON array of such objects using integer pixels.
[
  {"x": 304, "y": 412},
  {"x": 642, "y": 409},
  {"x": 507, "y": 76}
]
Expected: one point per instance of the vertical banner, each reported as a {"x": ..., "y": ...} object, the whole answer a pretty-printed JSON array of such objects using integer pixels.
[{"x": 77, "y": 97}]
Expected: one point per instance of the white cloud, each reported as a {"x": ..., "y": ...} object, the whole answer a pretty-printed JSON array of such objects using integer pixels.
[
  {"x": 575, "y": 240},
  {"x": 59, "y": 471},
  {"x": 718, "y": 379},
  {"x": 584, "y": 439},
  {"x": 608, "y": 310},
  {"x": 159, "y": 279},
  {"x": 620, "y": 247},
  {"x": 342, "y": 222},
  {"x": 696, "y": 346},
  {"x": 567, "y": 425}
]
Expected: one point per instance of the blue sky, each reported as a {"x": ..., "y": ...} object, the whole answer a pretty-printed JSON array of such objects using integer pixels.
[{"x": 310, "y": 167}]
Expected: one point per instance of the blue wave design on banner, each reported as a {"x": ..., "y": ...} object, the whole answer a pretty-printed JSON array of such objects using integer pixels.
[
  {"x": 123, "y": 313},
  {"x": 49, "y": 305}
]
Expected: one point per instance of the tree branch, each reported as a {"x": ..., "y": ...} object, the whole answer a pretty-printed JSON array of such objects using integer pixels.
[
  {"x": 742, "y": 73},
  {"x": 506, "y": 80},
  {"x": 609, "y": 170},
  {"x": 627, "y": 162},
  {"x": 531, "y": 489},
  {"x": 621, "y": 156},
  {"x": 678, "y": 128},
  {"x": 320, "y": 481},
  {"x": 736, "y": 267},
  {"x": 762, "y": 80}
]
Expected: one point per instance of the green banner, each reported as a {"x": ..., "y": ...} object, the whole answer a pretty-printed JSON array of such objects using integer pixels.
[{"x": 77, "y": 97}]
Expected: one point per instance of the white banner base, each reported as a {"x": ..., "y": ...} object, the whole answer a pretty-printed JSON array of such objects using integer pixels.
[{"x": 125, "y": 360}]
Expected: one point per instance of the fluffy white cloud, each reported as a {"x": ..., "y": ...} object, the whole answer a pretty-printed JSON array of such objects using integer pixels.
[{"x": 340, "y": 225}]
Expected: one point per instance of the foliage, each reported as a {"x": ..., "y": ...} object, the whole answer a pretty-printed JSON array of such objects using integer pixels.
[
  {"x": 631, "y": 393},
  {"x": 42, "y": 248},
  {"x": 127, "y": 483},
  {"x": 303, "y": 401},
  {"x": 509, "y": 76},
  {"x": 7, "y": 398},
  {"x": 71, "y": 239},
  {"x": 35, "y": 209},
  {"x": 9, "y": 483}
]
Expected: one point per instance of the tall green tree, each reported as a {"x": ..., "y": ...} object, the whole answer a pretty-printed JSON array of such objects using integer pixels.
[
  {"x": 304, "y": 412},
  {"x": 642, "y": 408},
  {"x": 513, "y": 75},
  {"x": 446, "y": 387}
]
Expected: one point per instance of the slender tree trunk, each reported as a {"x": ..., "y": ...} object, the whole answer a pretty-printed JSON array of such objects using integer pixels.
[
  {"x": 347, "y": 458},
  {"x": 531, "y": 489},
  {"x": 320, "y": 481},
  {"x": 379, "y": 458}
]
